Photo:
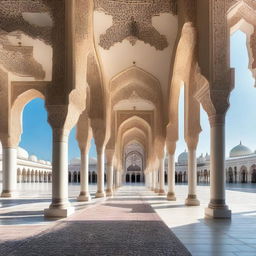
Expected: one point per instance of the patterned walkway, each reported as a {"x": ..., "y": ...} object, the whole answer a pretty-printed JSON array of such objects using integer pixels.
[{"x": 123, "y": 225}]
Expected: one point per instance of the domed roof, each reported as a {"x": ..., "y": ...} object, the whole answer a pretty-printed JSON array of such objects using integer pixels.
[
  {"x": 33, "y": 158},
  {"x": 183, "y": 158},
  {"x": 201, "y": 159},
  {"x": 92, "y": 160},
  {"x": 75, "y": 160},
  {"x": 240, "y": 150},
  {"x": 41, "y": 162},
  {"x": 22, "y": 153}
]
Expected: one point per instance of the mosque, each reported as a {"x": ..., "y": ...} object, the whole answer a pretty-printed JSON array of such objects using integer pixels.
[
  {"x": 114, "y": 70},
  {"x": 30, "y": 169},
  {"x": 240, "y": 167}
]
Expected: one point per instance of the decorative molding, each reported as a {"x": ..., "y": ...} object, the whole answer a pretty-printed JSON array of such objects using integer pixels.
[{"x": 132, "y": 20}]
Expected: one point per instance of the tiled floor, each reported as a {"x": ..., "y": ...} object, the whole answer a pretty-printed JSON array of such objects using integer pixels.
[{"x": 200, "y": 236}]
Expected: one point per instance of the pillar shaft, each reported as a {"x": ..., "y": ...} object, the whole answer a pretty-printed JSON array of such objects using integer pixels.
[
  {"x": 9, "y": 171},
  {"x": 110, "y": 177},
  {"x": 161, "y": 177},
  {"x": 171, "y": 178},
  {"x": 192, "y": 178},
  {"x": 217, "y": 207},
  {"x": 84, "y": 177},
  {"x": 60, "y": 206},
  {"x": 100, "y": 174}
]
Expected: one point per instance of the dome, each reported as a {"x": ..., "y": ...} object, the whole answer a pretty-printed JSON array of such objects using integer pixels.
[
  {"x": 183, "y": 158},
  {"x": 240, "y": 150},
  {"x": 41, "y": 162},
  {"x": 33, "y": 158},
  {"x": 75, "y": 160},
  {"x": 207, "y": 157},
  {"x": 92, "y": 160},
  {"x": 22, "y": 153},
  {"x": 201, "y": 159}
]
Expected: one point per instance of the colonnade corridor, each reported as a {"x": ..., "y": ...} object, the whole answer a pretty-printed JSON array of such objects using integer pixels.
[{"x": 134, "y": 221}]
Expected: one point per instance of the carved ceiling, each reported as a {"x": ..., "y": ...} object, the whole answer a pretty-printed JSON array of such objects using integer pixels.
[
  {"x": 12, "y": 19},
  {"x": 132, "y": 20},
  {"x": 19, "y": 59}
]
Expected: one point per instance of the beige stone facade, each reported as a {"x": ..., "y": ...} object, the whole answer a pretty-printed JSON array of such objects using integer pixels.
[{"x": 114, "y": 70}]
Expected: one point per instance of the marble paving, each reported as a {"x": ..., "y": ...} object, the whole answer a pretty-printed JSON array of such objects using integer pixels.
[{"x": 21, "y": 220}]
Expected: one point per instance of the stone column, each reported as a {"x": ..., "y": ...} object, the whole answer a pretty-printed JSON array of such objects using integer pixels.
[
  {"x": 192, "y": 172},
  {"x": 153, "y": 181},
  {"x": 156, "y": 181},
  {"x": 100, "y": 173},
  {"x": 171, "y": 147},
  {"x": 9, "y": 171},
  {"x": 217, "y": 207},
  {"x": 110, "y": 175},
  {"x": 60, "y": 206},
  {"x": 161, "y": 191},
  {"x": 84, "y": 176}
]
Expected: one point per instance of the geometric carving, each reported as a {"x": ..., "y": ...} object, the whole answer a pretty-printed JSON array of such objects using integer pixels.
[
  {"x": 11, "y": 18},
  {"x": 19, "y": 60},
  {"x": 132, "y": 20}
]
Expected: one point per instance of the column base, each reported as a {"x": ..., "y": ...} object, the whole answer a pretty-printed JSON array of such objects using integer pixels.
[
  {"x": 58, "y": 212},
  {"x": 171, "y": 196},
  {"x": 100, "y": 194},
  {"x": 192, "y": 201},
  {"x": 217, "y": 211},
  {"x": 7, "y": 194},
  {"x": 109, "y": 192},
  {"x": 156, "y": 190},
  {"x": 84, "y": 197},
  {"x": 161, "y": 192}
]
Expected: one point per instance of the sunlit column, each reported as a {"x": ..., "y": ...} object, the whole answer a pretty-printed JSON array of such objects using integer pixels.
[
  {"x": 217, "y": 207},
  {"x": 100, "y": 173},
  {"x": 192, "y": 176},
  {"x": 110, "y": 176},
  {"x": 161, "y": 190},
  {"x": 171, "y": 177},
  {"x": 84, "y": 177},
  {"x": 60, "y": 206},
  {"x": 9, "y": 171}
]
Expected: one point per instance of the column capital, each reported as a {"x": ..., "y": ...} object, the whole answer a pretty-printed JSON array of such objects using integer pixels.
[
  {"x": 217, "y": 120},
  {"x": 171, "y": 147},
  {"x": 192, "y": 142},
  {"x": 60, "y": 135}
]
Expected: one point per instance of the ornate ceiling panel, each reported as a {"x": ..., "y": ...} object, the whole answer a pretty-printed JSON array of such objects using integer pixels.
[
  {"x": 132, "y": 20},
  {"x": 11, "y": 18}
]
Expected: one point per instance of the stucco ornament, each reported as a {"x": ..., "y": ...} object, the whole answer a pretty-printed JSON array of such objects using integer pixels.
[
  {"x": 11, "y": 18},
  {"x": 132, "y": 20}
]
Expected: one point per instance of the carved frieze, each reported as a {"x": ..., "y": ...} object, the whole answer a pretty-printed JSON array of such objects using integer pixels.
[{"x": 132, "y": 20}]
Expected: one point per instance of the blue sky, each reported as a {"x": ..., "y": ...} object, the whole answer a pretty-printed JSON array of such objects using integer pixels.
[{"x": 240, "y": 120}]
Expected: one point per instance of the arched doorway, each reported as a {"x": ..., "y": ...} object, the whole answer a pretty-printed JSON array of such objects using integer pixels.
[
  {"x": 94, "y": 178},
  {"x": 69, "y": 177},
  {"x": 127, "y": 179},
  {"x": 133, "y": 178},
  {"x": 75, "y": 177},
  {"x": 230, "y": 175},
  {"x": 138, "y": 178},
  {"x": 254, "y": 176}
]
